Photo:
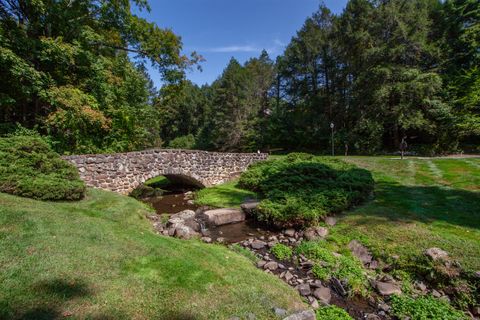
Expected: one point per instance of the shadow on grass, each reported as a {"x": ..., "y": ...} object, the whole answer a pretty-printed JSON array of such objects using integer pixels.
[
  {"x": 425, "y": 204},
  {"x": 48, "y": 301}
]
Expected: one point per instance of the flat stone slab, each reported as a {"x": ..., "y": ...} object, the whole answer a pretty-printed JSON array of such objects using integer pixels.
[{"x": 220, "y": 217}]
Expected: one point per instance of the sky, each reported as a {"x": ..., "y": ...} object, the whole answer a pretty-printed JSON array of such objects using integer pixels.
[{"x": 221, "y": 29}]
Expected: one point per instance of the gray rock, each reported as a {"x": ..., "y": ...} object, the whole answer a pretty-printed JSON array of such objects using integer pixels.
[
  {"x": 279, "y": 312},
  {"x": 220, "y": 240},
  {"x": 436, "y": 294},
  {"x": 220, "y": 217},
  {"x": 477, "y": 274},
  {"x": 337, "y": 285},
  {"x": 289, "y": 232},
  {"x": 436, "y": 254},
  {"x": 272, "y": 266},
  {"x": 372, "y": 316},
  {"x": 184, "y": 232},
  {"x": 185, "y": 215},
  {"x": 258, "y": 244},
  {"x": 420, "y": 286},
  {"x": 330, "y": 221},
  {"x": 359, "y": 251},
  {"x": 207, "y": 239},
  {"x": 302, "y": 315},
  {"x": 314, "y": 304},
  {"x": 249, "y": 206},
  {"x": 288, "y": 276},
  {"x": 261, "y": 263},
  {"x": 315, "y": 233},
  {"x": 304, "y": 289},
  {"x": 323, "y": 294},
  {"x": 387, "y": 288}
]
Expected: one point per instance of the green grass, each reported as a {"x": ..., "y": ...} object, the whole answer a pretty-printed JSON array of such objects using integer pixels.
[
  {"x": 419, "y": 203},
  {"x": 158, "y": 182},
  {"x": 225, "y": 195},
  {"x": 99, "y": 259}
]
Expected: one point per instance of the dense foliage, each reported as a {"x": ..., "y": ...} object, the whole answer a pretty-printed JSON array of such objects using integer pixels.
[
  {"x": 300, "y": 188},
  {"x": 423, "y": 308},
  {"x": 281, "y": 251},
  {"x": 74, "y": 70},
  {"x": 332, "y": 313},
  {"x": 29, "y": 168},
  {"x": 380, "y": 71}
]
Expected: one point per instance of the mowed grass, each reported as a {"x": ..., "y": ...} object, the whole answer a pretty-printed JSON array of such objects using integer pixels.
[
  {"x": 100, "y": 259},
  {"x": 419, "y": 203},
  {"x": 222, "y": 196}
]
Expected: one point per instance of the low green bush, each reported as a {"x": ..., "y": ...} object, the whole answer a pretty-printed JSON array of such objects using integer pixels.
[
  {"x": 29, "y": 168},
  {"x": 424, "y": 308},
  {"x": 281, "y": 251},
  {"x": 332, "y": 313},
  {"x": 300, "y": 188}
]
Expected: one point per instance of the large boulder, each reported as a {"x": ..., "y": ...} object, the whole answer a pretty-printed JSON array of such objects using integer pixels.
[
  {"x": 220, "y": 217},
  {"x": 436, "y": 254}
]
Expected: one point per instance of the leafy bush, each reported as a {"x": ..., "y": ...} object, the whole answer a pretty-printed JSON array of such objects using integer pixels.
[
  {"x": 183, "y": 142},
  {"x": 327, "y": 265},
  {"x": 281, "y": 251},
  {"x": 29, "y": 168},
  {"x": 423, "y": 308},
  {"x": 332, "y": 313},
  {"x": 301, "y": 188}
]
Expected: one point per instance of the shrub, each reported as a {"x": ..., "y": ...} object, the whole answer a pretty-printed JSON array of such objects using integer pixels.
[
  {"x": 332, "y": 313},
  {"x": 281, "y": 251},
  {"x": 183, "y": 142},
  {"x": 29, "y": 168},
  {"x": 301, "y": 188},
  {"x": 423, "y": 308}
]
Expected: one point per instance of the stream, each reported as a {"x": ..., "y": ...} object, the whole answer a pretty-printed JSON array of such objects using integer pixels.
[{"x": 177, "y": 200}]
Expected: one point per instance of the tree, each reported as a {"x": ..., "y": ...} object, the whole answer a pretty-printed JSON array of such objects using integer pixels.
[{"x": 48, "y": 46}]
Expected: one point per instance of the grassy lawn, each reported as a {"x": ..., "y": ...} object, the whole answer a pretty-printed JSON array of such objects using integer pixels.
[
  {"x": 418, "y": 204},
  {"x": 223, "y": 196},
  {"x": 99, "y": 259}
]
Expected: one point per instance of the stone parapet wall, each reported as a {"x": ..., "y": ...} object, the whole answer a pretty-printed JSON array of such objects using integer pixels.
[{"x": 123, "y": 172}]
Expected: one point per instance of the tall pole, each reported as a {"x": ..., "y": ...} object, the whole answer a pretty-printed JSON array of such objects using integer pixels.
[{"x": 332, "y": 126}]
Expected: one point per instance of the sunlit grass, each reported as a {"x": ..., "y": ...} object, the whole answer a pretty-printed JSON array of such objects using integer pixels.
[{"x": 99, "y": 258}]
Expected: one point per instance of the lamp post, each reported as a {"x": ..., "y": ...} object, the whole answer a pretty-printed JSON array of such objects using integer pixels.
[{"x": 332, "y": 126}]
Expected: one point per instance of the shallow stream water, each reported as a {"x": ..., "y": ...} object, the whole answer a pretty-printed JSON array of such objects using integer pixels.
[{"x": 178, "y": 200}]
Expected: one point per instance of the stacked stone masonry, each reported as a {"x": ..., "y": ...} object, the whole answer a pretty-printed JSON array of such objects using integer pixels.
[{"x": 123, "y": 172}]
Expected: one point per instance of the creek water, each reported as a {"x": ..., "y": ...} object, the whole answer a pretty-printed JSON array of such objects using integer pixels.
[{"x": 178, "y": 200}]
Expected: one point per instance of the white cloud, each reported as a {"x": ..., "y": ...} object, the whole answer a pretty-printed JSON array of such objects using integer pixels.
[{"x": 234, "y": 48}]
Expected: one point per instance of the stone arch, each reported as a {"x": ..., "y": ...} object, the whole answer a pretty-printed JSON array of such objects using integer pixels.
[
  {"x": 123, "y": 172},
  {"x": 174, "y": 176}
]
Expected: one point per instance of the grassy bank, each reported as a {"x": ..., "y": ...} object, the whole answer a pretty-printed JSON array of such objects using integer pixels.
[
  {"x": 419, "y": 203},
  {"x": 99, "y": 259}
]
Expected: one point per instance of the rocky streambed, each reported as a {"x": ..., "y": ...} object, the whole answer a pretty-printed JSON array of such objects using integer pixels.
[{"x": 233, "y": 227}]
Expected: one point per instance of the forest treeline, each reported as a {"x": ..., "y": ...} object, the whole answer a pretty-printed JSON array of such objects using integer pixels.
[{"x": 379, "y": 71}]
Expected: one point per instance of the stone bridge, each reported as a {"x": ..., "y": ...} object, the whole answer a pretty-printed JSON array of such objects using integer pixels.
[{"x": 123, "y": 172}]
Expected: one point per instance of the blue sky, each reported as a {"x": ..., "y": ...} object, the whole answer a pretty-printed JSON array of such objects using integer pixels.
[{"x": 221, "y": 29}]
